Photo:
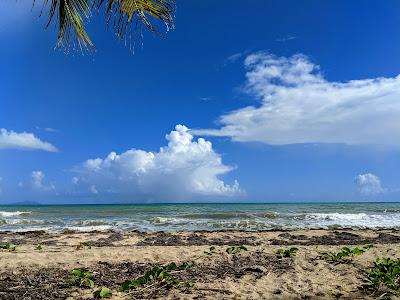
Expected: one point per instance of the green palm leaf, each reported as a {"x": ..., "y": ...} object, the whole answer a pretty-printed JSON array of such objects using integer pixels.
[
  {"x": 127, "y": 13},
  {"x": 70, "y": 17}
]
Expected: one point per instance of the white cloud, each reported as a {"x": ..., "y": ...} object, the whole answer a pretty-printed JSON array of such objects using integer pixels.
[
  {"x": 180, "y": 170},
  {"x": 24, "y": 141},
  {"x": 288, "y": 38},
  {"x": 298, "y": 105},
  {"x": 94, "y": 190},
  {"x": 369, "y": 184},
  {"x": 234, "y": 57},
  {"x": 75, "y": 180},
  {"x": 37, "y": 181},
  {"x": 47, "y": 129}
]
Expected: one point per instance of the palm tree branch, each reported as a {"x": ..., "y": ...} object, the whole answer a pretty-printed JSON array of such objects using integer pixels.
[
  {"x": 125, "y": 13},
  {"x": 69, "y": 15}
]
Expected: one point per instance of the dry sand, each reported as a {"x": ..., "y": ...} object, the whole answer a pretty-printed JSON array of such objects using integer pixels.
[{"x": 254, "y": 274}]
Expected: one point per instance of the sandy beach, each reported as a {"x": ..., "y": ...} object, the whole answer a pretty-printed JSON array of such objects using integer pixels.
[{"x": 32, "y": 272}]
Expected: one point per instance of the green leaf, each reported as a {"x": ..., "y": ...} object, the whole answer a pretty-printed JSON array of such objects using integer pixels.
[
  {"x": 105, "y": 293},
  {"x": 90, "y": 283},
  {"x": 124, "y": 286},
  {"x": 71, "y": 281},
  {"x": 8, "y": 246},
  {"x": 76, "y": 272},
  {"x": 87, "y": 275},
  {"x": 87, "y": 282}
]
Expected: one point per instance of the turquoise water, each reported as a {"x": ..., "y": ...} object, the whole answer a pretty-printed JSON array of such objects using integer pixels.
[{"x": 181, "y": 217}]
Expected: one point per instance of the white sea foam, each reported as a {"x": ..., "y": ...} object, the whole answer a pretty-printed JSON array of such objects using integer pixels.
[
  {"x": 337, "y": 216},
  {"x": 9, "y": 214},
  {"x": 90, "y": 228}
]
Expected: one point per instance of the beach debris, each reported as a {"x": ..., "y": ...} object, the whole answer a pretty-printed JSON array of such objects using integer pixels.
[
  {"x": 103, "y": 293},
  {"x": 8, "y": 246},
  {"x": 159, "y": 275},
  {"x": 283, "y": 253},
  {"x": 79, "y": 278},
  {"x": 255, "y": 269},
  {"x": 212, "y": 250},
  {"x": 338, "y": 295},
  {"x": 386, "y": 272},
  {"x": 83, "y": 245},
  {"x": 235, "y": 249},
  {"x": 344, "y": 254}
]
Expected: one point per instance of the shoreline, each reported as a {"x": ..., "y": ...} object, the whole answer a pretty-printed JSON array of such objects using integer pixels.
[
  {"x": 137, "y": 231},
  {"x": 254, "y": 273}
]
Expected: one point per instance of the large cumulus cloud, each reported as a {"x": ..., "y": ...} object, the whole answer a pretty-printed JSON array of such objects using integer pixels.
[{"x": 183, "y": 169}]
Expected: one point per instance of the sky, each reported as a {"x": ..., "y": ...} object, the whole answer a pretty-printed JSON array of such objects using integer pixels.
[{"x": 271, "y": 101}]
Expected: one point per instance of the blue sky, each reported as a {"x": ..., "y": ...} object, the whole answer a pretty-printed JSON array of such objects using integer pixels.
[{"x": 279, "y": 88}]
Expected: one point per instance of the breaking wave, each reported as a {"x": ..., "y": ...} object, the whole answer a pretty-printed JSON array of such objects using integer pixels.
[{"x": 197, "y": 217}]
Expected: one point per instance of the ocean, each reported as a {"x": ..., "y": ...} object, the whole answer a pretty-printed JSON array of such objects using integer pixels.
[{"x": 191, "y": 217}]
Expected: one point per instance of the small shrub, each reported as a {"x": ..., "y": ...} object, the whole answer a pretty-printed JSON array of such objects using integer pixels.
[
  {"x": 8, "y": 246},
  {"x": 385, "y": 272},
  {"x": 79, "y": 278},
  {"x": 39, "y": 247},
  {"x": 103, "y": 293},
  {"x": 235, "y": 249},
  {"x": 212, "y": 250},
  {"x": 159, "y": 274},
  {"x": 281, "y": 253}
]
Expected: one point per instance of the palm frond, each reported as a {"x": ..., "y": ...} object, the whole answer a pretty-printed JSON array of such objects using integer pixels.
[
  {"x": 127, "y": 14},
  {"x": 69, "y": 16}
]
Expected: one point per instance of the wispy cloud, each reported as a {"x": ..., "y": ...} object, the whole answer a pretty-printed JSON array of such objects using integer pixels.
[
  {"x": 298, "y": 105},
  {"x": 25, "y": 141},
  {"x": 286, "y": 39},
  {"x": 47, "y": 129},
  {"x": 205, "y": 99},
  {"x": 234, "y": 57}
]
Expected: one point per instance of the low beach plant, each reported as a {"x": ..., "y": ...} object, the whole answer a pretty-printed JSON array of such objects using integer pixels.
[
  {"x": 235, "y": 249},
  {"x": 8, "y": 246},
  {"x": 83, "y": 245},
  {"x": 282, "y": 253},
  {"x": 344, "y": 254},
  {"x": 385, "y": 272},
  {"x": 103, "y": 293},
  {"x": 39, "y": 247},
  {"x": 212, "y": 250},
  {"x": 79, "y": 278},
  {"x": 159, "y": 275}
]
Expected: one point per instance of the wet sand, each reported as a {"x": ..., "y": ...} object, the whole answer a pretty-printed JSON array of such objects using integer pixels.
[{"x": 258, "y": 273}]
